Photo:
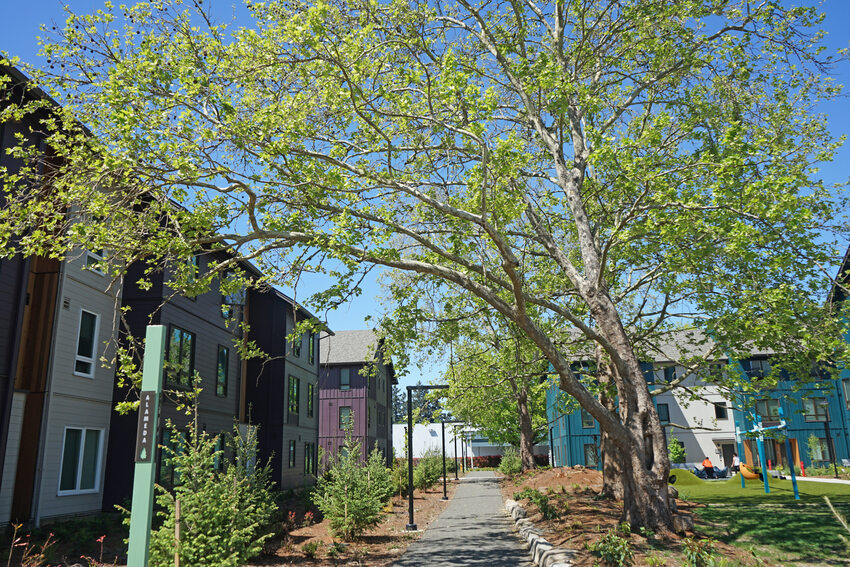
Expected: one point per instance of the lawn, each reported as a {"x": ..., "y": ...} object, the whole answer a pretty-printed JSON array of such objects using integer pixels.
[{"x": 784, "y": 529}]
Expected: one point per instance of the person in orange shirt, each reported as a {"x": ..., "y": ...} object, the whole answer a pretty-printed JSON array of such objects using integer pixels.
[{"x": 708, "y": 468}]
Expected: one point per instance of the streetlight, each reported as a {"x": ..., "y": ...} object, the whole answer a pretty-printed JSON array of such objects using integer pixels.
[{"x": 411, "y": 527}]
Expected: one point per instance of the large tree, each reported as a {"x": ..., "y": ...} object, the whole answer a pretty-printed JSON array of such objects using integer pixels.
[{"x": 617, "y": 167}]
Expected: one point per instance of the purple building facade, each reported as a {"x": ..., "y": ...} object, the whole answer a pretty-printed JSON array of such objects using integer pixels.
[{"x": 355, "y": 390}]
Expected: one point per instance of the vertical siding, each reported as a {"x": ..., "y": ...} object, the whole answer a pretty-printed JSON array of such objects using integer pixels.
[
  {"x": 77, "y": 401},
  {"x": 16, "y": 418}
]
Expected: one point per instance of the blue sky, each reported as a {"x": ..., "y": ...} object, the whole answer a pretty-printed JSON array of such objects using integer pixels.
[{"x": 19, "y": 28}]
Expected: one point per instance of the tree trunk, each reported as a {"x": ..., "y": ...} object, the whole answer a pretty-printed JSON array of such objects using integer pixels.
[
  {"x": 526, "y": 431},
  {"x": 640, "y": 459},
  {"x": 612, "y": 470}
]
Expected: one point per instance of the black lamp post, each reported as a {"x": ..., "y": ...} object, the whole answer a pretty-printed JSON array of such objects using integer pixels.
[{"x": 411, "y": 527}]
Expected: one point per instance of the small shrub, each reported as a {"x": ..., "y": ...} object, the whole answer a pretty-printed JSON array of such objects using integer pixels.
[
  {"x": 223, "y": 512},
  {"x": 676, "y": 451},
  {"x": 511, "y": 463},
  {"x": 310, "y": 549},
  {"x": 428, "y": 470},
  {"x": 701, "y": 553},
  {"x": 540, "y": 500},
  {"x": 613, "y": 549},
  {"x": 351, "y": 494},
  {"x": 399, "y": 478}
]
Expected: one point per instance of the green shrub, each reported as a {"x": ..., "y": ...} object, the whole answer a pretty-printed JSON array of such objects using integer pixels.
[
  {"x": 223, "y": 514},
  {"x": 701, "y": 553},
  {"x": 613, "y": 549},
  {"x": 676, "y": 451},
  {"x": 347, "y": 495},
  {"x": 540, "y": 500},
  {"x": 428, "y": 470},
  {"x": 310, "y": 549},
  {"x": 511, "y": 463},
  {"x": 399, "y": 478},
  {"x": 379, "y": 476}
]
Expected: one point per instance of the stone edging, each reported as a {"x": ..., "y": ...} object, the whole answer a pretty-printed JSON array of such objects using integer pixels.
[{"x": 542, "y": 552}]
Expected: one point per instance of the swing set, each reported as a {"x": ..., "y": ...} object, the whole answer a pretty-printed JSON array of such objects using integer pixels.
[{"x": 759, "y": 429}]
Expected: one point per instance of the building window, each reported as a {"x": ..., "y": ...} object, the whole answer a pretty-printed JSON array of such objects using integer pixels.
[
  {"x": 768, "y": 410},
  {"x": 193, "y": 264},
  {"x": 218, "y": 452},
  {"x": 311, "y": 392},
  {"x": 587, "y": 420},
  {"x": 720, "y": 410},
  {"x": 171, "y": 447},
  {"x": 345, "y": 419},
  {"x": 759, "y": 368},
  {"x": 222, "y": 364},
  {"x": 670, "y": 373},
  {"x": 590, "y": 457},
  {"x": 664, "y": 413},
  {"x": 94, "y": 259},
  {"x": 180, "y": 360},
  {"x": 292, "y": 449},
  {"x": 816, "y": 409},
  {"x": 80, "y": 469},
  {"x": 344, "y": 379},
  {"x": 294, "y": 386},
  {"x": 86, "y": 342},
  {"x": 309, "y": 458},
  {"x": 648, "y": 370},
  {"x": 296, "y": 345},
  {"x": 846, "y": 384},
  {"x": 311, "y": 349}
]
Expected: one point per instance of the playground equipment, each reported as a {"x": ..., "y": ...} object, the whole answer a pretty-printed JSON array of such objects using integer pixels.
[
  {"x": 747, "y": 473},
  {"x": 760, "y": 429}
]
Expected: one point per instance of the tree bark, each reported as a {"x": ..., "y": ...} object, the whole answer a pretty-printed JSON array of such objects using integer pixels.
[{"x": 526, "y": 431}]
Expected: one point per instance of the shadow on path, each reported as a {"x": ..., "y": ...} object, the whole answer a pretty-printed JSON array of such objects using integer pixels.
[{"x": 472, "y": 530}]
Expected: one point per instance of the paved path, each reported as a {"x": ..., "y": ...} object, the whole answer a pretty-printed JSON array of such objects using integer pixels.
[{"x": 472, "y": 530}]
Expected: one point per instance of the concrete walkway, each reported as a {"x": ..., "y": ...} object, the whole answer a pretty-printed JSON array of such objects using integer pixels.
[{"x": 472, "y": 530}]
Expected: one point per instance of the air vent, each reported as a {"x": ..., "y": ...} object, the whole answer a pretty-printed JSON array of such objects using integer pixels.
[{"x": 66, "y": 303}]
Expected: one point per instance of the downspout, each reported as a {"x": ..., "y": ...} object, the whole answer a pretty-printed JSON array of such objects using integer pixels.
[{"x": 48, "y": 390}]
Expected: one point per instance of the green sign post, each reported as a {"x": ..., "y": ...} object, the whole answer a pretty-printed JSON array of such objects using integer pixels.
[{"x": 144, "y": 475}]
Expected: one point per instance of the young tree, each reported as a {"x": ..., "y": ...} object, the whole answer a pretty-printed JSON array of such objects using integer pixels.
[{"x": 613, "y": 167}]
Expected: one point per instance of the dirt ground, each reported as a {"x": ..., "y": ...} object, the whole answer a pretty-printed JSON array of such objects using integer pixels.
[
  {"x": 582, "y": 519},
  {"x": 378, "y": 548}
]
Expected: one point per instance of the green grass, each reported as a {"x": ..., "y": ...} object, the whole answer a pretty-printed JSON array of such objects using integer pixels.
[{"x": 783, "y": 528}]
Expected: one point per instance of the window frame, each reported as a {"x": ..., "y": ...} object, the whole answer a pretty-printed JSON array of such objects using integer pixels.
[
  {"x": 311, "y": 348},
  {"x": 349, "y": 418},
  {"x": 309, "y": 458},
  {"x": 666, "y": 411},
  {"x": 79, "y": 461},
  {"x": 92, "y": 258},
  {"x": 311, "y": 392},
  {"x": 587, "y": 421},
  {"x": 170, "y": 372},
  {"x": 845, "y": 384},
  {"x": 815, "y": 403},
  {"x": 91, "y": 360},
  {"x": 293, "y": 453},
  {"x": 721, "y": 407},
  {"x": 221, "y": 385},
  {"x": 292, "y": 401},
  {"x": 767, "y": 416},
  {"x": 347, "y": 385},
  {"x": 296, "y": 345}
]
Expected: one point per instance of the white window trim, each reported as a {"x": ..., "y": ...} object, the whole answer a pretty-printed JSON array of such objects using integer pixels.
[
  {"x": 97, "y": 258},
  {"x": 78, "y": 357},
  {"x": 97, "y": 472}
]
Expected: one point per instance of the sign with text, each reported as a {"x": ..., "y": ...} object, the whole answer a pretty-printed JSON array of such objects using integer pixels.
[{"x": 145, "y": 429}]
